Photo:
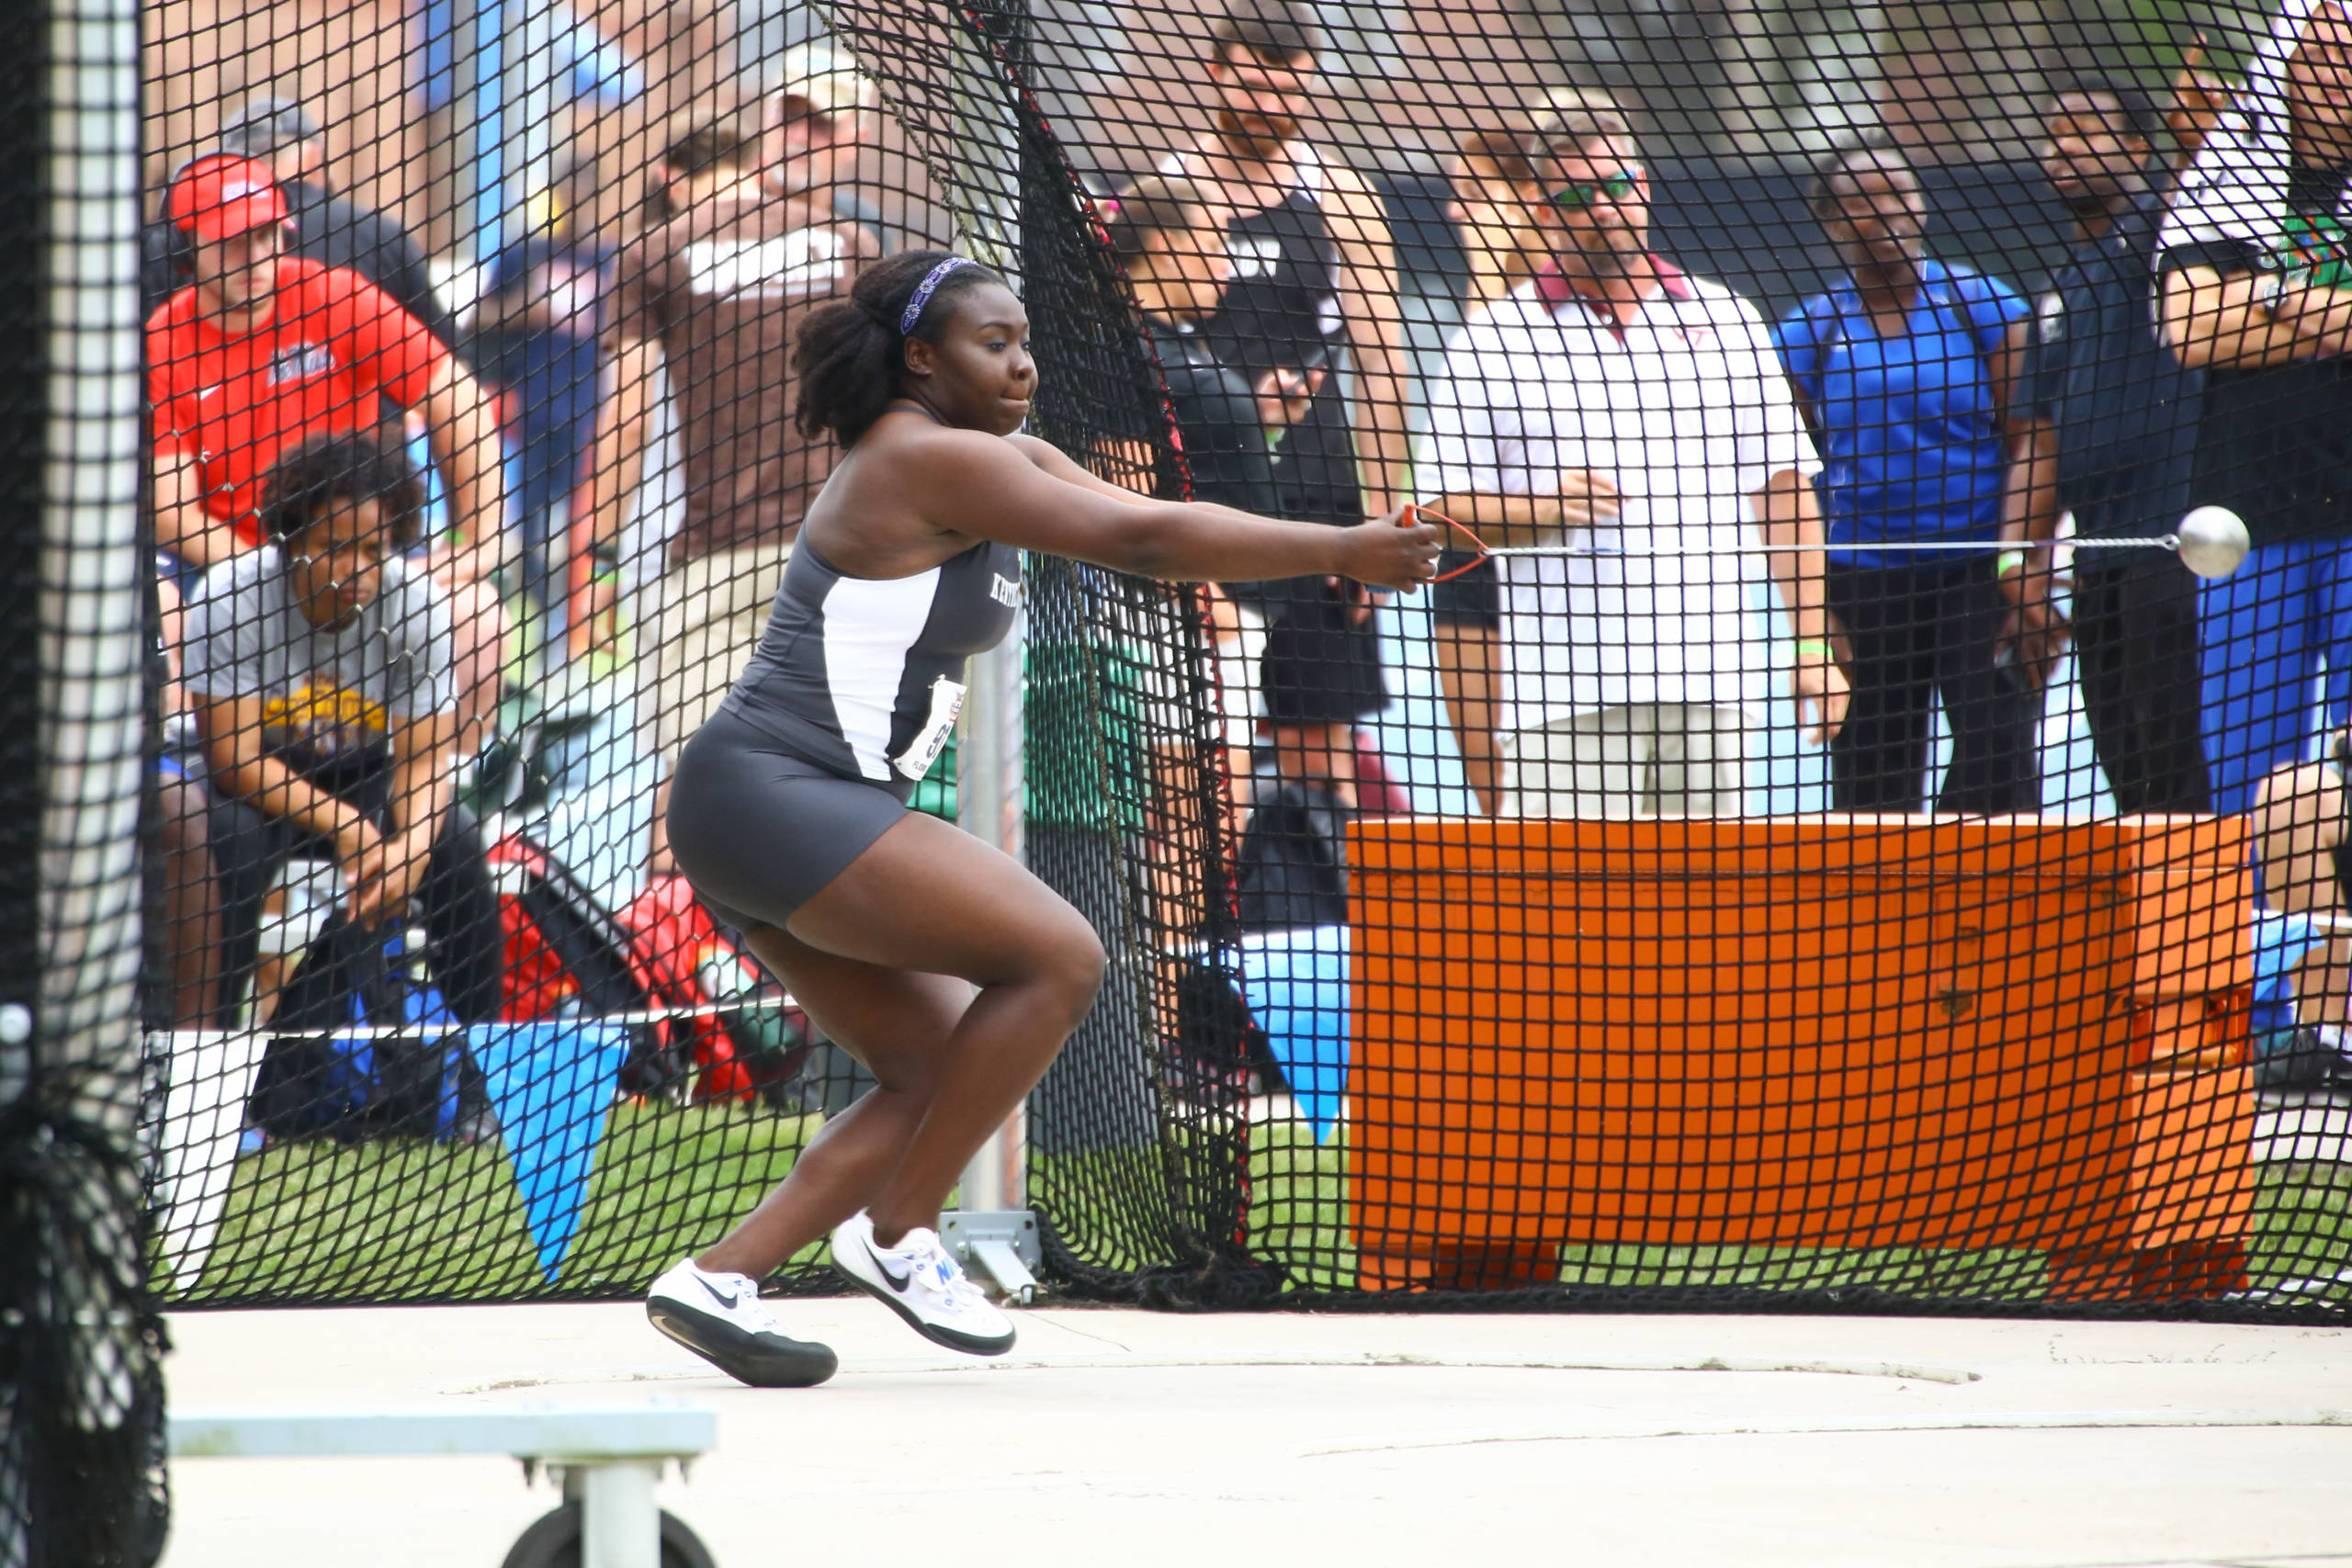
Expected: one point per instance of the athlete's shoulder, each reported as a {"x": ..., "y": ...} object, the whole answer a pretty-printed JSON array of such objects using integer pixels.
[
  {"x": 1034, "y": 450},
  {"x": 916, "y": 444}
]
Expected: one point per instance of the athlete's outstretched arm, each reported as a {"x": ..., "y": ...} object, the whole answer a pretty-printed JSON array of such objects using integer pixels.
[
  {"x": 991, "y": 487},
  {"x": 1053, "y": 460}
]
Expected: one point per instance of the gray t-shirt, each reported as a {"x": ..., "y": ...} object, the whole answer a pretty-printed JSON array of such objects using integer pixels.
[{"x": 329, "y": 697}]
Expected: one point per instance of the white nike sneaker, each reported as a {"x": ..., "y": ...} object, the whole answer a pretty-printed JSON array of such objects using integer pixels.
[
  {"x": 922, "y": 1283},
  {"x": 719, "y": 1318}
]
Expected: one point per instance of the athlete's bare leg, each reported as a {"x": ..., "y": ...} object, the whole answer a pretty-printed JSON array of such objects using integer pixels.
[
  {"x": 896, "y": 1024},
  {"x": 867, "y": 957}
]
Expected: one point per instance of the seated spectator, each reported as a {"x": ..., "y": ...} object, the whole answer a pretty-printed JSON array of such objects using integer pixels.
[
  {"x": 322, "y": 670},
  {"x": 263, "y": 350}
]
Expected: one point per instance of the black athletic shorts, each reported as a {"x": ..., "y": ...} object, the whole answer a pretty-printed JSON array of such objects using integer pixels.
[
  {"x": 759, "y": 831},
  {"x": 1473, "y": 599}
]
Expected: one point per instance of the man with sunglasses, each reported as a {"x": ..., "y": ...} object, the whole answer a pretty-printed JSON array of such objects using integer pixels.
[{"x": 1618, "y": 407}]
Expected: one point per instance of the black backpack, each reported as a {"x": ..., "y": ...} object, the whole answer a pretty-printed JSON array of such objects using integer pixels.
[
  {"x": 1292, "y": 869},
  {"x": 313, "y": 1080}
]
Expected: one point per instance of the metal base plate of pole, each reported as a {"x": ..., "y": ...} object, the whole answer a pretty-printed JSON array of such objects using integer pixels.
[{"x": 997, "y": 1247}]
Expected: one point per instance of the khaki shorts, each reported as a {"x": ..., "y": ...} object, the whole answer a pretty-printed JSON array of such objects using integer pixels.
[
  {"x": 1644, "y": 760},
  {"x": 702, "y": 620}
]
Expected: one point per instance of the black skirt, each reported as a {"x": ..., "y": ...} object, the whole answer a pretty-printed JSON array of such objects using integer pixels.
[{"x": 1320, "y": 667}]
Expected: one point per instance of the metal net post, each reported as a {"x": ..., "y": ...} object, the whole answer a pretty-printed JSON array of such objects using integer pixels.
[{"x": 81, "y": 1406}]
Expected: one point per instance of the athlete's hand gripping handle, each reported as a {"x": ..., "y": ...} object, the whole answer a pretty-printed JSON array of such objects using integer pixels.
[{"x": 1396, "y": 551}]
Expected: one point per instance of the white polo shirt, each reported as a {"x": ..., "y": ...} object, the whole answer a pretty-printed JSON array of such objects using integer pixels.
[{"x": 1686, "y": 412}]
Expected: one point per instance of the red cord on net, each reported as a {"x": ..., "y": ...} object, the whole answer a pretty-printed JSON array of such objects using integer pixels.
[{"x": 1477, "y": 546}]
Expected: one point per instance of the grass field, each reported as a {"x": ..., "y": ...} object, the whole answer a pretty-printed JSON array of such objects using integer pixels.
[
  {"x": 2303, "y": 1231},
  {"x": 321, "y": 1222}
]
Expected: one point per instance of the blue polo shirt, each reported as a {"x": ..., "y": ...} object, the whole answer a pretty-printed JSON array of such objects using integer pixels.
[
  {"x": 2123, "y": 409},
  {"x": 1909, "y": 433}
]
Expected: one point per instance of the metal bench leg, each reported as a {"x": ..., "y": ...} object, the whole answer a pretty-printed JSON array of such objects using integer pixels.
[{"x": 620, "y": 1524}]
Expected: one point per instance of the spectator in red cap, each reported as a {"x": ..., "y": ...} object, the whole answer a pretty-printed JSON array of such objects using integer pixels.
[
  {"x": 327, "y": 226},
  {"x": 262, "y": 349}
]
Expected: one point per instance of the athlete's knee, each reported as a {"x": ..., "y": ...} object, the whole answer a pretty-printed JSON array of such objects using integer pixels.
[{"x": 1070, "y": 964}]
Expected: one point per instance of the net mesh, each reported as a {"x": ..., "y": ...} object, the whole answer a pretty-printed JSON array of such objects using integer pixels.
[{"x": 1822, "y": 869}]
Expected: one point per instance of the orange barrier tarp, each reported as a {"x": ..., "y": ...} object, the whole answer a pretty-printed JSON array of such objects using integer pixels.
[{"x": 1822, "y": 1032}]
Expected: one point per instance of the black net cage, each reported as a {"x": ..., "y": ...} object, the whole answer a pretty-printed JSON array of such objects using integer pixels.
[{"x": 1856, "y": 822}]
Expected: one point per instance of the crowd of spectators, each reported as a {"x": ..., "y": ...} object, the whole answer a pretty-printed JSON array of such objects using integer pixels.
[{"x": 1908, "y": 443}]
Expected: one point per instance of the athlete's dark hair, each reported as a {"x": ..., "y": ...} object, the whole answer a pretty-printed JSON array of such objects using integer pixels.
[
  {"x": 848, "y": 354},
  {"x": 312, "y": 477},
  {"x": 2132, "y": 105},
  {"x": 1875, "y": 152}
]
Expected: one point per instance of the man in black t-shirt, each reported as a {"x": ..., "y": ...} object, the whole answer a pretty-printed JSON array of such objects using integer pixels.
[
  {"x": 2255, "y": 289},
  {"x": 2116, "y": 429}
]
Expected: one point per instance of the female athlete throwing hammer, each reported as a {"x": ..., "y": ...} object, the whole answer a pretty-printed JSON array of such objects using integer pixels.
[{"x": 788, "y": 809}]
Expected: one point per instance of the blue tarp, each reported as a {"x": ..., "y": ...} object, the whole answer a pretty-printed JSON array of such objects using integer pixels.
[
  {"x": 551, "y": 1082},
  {"x": 1297, "y": 985}
]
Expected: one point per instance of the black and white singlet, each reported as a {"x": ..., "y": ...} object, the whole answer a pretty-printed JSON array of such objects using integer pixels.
[
  {"x": 833, "y": 721},
  {"x": 844, "y": 675}
]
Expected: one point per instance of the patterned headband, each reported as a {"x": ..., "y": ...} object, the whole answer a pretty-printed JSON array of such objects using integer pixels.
[{"x": 923, "y": 291}]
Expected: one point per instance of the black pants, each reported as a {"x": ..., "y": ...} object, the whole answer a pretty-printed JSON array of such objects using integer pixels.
[
  {"x": 2135, "y": 643},
  {"x": 1923, "y": 635},
  {"x": 465, "y": 950}
]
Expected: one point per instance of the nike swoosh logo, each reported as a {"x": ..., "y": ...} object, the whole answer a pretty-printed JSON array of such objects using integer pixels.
[
  {"x": 723, "y": 1299},
  {"x": 898, "y": 1281}
]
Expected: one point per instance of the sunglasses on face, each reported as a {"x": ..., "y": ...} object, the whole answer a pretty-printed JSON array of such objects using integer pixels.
[{"x": 1614, "y": 190}]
